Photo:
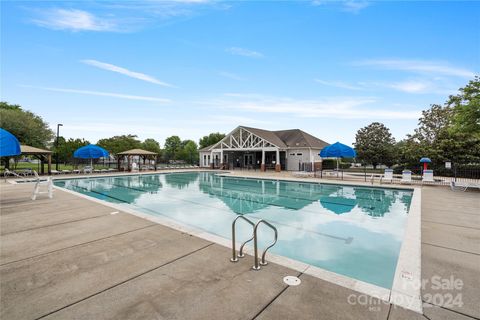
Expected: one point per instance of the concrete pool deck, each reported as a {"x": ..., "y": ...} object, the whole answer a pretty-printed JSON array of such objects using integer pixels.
[{"x": 69, "y": 257}]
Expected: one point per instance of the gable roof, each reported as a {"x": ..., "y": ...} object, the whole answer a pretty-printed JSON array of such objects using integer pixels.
[
  {"x": 292, "y": 138},
  {"x": 298, "y": 138},
  {"x": 137, "y": 152}
]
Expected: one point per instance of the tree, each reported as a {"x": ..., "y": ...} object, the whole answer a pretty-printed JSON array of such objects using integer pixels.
[
  {"x": 189, "y": 151},
  {"x": 151, "y": 145},
  {"x": 212, "y": 138},
  {"x": 466, "y": 109},
  {"x": 375, "y": 145},
  {"x": 66, "y": 148},
  {"x": 29, "y": 128},
  {"x": 172, "y": 146},
  {"x": 121, "y": 143}
]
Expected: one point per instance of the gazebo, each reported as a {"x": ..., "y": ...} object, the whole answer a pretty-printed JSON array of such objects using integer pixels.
[
  {"x": 41, "y": 154},
  {"x": 144, "y": 154}
]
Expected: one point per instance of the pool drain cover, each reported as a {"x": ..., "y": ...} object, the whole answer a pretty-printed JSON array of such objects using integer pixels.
[{"x": 292, "y": 281}]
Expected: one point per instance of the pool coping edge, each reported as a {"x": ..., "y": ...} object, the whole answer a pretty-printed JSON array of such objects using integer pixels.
[{"x": 375, "y": 291}]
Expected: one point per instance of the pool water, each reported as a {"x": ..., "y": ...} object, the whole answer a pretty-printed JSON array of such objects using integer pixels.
[{"x": 350, "y": 230}]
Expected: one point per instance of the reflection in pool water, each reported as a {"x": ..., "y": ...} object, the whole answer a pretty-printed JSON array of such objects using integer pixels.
[{"x": 354, "y": 231}]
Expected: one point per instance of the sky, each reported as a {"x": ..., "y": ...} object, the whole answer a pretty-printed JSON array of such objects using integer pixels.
[{"x": 191, "y": 67}]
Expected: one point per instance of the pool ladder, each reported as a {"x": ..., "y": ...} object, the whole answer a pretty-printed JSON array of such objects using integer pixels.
[{"x": 263, "y": 262}]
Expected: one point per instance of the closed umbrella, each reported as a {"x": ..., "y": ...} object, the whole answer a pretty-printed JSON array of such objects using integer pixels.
[
  {"x": 90, "y": 151},
  {"x": 9, "y": 145}
]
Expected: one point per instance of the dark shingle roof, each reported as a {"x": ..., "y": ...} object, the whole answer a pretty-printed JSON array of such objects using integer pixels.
[{"x": 284, "y": 138}]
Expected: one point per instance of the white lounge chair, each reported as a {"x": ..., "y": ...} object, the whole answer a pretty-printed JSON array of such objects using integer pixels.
[
  {"x": 87, "y": 169},
  {"x": 65, "y": 171},
  {"x": 427, "y": 176},
  {"x": 387, "y": 176},
  {"x": 406, "y": 176},
  {"x": 76, "y": 171},
  {"x": 53, "y": 171},
  {"x": 463, "y": 186}
]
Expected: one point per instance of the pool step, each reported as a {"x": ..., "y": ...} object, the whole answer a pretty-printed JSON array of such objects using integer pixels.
[{"x": 263, "y": 262}]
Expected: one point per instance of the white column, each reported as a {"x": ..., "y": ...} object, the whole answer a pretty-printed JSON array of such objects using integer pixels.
[
  {"x": 312, "y": 159},
  {"x": 263, "y": 156},
  {"x": 221, "y": 156},
  {"x": 277, "y": 157}
]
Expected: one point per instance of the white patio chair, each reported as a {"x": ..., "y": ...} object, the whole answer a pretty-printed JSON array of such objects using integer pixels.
[
  {"x": 38, "y": 183},
  {"x": 387, "y": 176},
  {"x": 427, "y": 176},
  {"x": 53, "y": 171},
  {"x": 406, "y": 176},
  {"x": 134, "y": 166}
]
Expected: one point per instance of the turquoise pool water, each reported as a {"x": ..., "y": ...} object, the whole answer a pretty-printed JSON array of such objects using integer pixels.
[{"x": 353, "y": 231}]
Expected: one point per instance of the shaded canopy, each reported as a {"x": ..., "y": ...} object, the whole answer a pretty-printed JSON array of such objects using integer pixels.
[
  {"x": 34, "y": 151},
  {"x": 137, "y": 152},
  {"x": 9, "y": 145},
  {"x": 425, "y": 160},
  {"x": 338, "y": 150},
  {"x": 90, "y": 151}
]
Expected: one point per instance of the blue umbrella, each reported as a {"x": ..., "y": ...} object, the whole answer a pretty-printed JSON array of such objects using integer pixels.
[
  {"x": 90, "y": 151},
  {"x": 9, "y": 145},
  {"x": 425, "y": 160},
  {"x": 338, "y": 150}
]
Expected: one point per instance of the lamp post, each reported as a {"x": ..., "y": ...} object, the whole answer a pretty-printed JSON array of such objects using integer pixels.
[{"x": 56, "y": 146}]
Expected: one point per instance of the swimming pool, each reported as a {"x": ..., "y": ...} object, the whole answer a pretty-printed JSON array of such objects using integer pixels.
[{"x": 350, "y": 230}]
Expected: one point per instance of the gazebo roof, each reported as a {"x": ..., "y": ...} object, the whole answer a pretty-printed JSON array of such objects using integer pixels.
[
  {"x": 137, "y": 152},
  {"x": 32, "y": 150}
]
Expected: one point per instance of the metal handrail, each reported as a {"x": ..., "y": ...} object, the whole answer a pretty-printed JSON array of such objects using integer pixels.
[
  {"x": 255, "y": 244},
  {"x": 234, "y": 252}
]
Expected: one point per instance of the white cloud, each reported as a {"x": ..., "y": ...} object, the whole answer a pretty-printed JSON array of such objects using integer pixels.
[
  {"x": 100, "y": 93},
  {"x": 128, "y": 73},
  {"x": 418, "y": 66},
  {"x": 339, "y": 108},
  {"x": 244, "y": 52},
  {"x": 74, "y": 20},
  {"x": 355, "y": 6},
  {"x": 339, "y": 84},
  {"x": 411, "y": 86},
  {"x": 231, "y": 75}
]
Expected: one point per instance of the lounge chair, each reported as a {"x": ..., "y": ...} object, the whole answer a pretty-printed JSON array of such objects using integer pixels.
[
  {"x": 427, "y": 176},
  {"x": 387, "y": 176},
  {"x": 406, "y": 176},
  {"x": 53, "y": 171},
  {"x": 463, "y": 186},
  {"x": 87, "y": 169},
  {"x": 76, "y": 171},
  {"x": 65, "y": 171},
  {"x": 11, "y": 173}
]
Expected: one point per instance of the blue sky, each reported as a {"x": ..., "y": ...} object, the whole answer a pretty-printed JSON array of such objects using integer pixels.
[{"x": 189, "y": 68}]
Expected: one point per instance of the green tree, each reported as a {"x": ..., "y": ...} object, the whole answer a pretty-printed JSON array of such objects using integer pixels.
[
  {"x": 66, "y": 148},
  {"x": 151, "y": 145},
  {"x": 121, "y": 143},
  {"x": 466, "y": 109},
  {"x": 188, "y": 151},
  {"x": 29, "y": 128},
  {"x": 212, "y": 138},
  {"x": 375, "y": 145},
  {"x": 172, "y": 147}
]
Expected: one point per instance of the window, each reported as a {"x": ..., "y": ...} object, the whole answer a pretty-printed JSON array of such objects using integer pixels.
[{"x": 299, "y": 154}]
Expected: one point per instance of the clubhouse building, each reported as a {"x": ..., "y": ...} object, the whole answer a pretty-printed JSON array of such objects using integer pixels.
[{"x": 255, "y": 148}]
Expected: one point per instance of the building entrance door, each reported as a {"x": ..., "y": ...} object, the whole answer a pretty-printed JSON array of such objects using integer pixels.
[{"x": 248, "y": 160}]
